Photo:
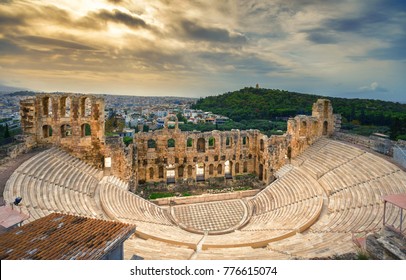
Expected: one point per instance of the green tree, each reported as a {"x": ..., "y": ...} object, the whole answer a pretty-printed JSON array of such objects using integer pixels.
[
  {"x": 181, "y": 118},
  {"x": 127, "y": 140},
  {"x": 6, "y": 132}
]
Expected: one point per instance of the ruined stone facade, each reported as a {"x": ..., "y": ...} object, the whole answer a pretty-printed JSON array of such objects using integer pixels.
[
  {"x": 169, "y": 155},
  {"x": 75, "y": 122},
  {"x": 304, "y": 130},
  {"x": 122, "y": 160},
  {"x": 72, "y": 121}
]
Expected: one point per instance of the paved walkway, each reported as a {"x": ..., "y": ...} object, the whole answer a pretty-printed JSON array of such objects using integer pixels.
[
  {"x": 210, "y": 216},
  {"x": 8, "y": 168}
]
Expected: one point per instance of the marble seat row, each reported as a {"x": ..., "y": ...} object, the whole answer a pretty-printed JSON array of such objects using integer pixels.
[
  {"x": 118, "y": 182},
  {"x": 355, "y": 189},
  {"x": 326, "y": 155},
  {"x": 293, "y": 187},
  {"x": 48, "y": 184},
  {"x": 296, "y": 216},
  {"x": 151, "y": 220},
  {"x": 240, "y": 253},
  {"x": 150, "y": 249},
  {"x": 314, "y": 245}
]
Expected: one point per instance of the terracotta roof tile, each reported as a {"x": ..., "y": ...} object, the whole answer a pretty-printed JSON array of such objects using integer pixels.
[{"x": 59, "y": 236}]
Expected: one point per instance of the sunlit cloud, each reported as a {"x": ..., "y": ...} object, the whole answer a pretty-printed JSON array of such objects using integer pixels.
[
  {"x": 204, "y": 47},
  {"x": 374, "y": 86}
]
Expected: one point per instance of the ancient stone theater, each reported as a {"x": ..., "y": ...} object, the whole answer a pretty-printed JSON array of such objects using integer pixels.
[{"x": 319, "y": 193}]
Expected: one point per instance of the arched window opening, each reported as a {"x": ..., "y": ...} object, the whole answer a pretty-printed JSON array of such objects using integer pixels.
[
  {"x": 228, "y": 167},
  {"x": 261, "y": 172},
  {"x": 46, "y": 131},
  {"x": 325, "y": 127},
  {"x": 212, "y": 142},
  {"x": 62, "y": 106},
  {"x": 65, "y": 106},
  {"x": 47, "y": 106},
  {"x": 261, "y": 145},
  {"x": 189, "y": 142},
  {"x": 201, "y": 145},
  {"x": 245, "y": 167},
  {"x": 289, "y": 154},
  {"x": 151, "y": 173},
  {"x": 161, "y": 172},
  {"x": 86, "y": 130},
  {"x": 219, "y": 169},
  {"x": 66, "y": 130},
  {"x": 170, "y": 175},
  {"x": 151, "y": 144},
  {"x": 228, "y": 142},
  {"x": 245, "y": 140},
  {"x": 200, "y": 172},
  {"x": 211, "y": 169},
  {"x": 171, "y": 143},
  {"x": 85, "y": 107}
]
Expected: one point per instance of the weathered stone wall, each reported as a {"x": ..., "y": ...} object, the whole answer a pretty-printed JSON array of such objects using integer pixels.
[
  {"x": 169, "y": 155},
  {"x": 121, "y": 158},
  {"x": 304, "y": 130},
  {"x": 74, "y": 122},
  {"x": 194, "y": 154}
]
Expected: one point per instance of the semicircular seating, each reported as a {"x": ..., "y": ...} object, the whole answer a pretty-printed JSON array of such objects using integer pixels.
[
  {"x": 328, "y": 193},
  {"x": 54, "y": 181}
]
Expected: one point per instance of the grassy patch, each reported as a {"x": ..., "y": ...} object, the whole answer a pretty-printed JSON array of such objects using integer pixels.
[{"x": 160, "y": 195}]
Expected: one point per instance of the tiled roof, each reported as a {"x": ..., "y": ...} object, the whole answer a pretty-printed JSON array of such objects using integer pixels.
[{"x": 61, "y": 237}]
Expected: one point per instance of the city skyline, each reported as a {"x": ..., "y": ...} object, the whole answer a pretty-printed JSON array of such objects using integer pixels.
[{"x": 200, "y": 48}]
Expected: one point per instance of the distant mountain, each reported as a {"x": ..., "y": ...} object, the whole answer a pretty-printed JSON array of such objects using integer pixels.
[
  {"x": 21, "y": 93},
  {"x": 7, "y": 89},
  {"x": 259, "y": 103}
]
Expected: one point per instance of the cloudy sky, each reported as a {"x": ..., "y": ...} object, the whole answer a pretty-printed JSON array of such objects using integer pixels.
[{"x": 199, "y": 48}]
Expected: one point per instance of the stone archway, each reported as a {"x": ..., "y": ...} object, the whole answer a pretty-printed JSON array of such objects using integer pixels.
[
  {"x": 46, "y": 131},
  {"x": 325, "y": 127},
  {"x": 200, "y": 172},
  {"x": 170, "y": 174},
  {"x": 228, "y": 167},
  {"x": 261, "y": 172},
  {"x": 201, "y": 145}
]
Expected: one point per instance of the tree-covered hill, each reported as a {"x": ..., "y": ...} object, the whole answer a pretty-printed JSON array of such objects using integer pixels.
[{"x": 258, "y": 103}]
